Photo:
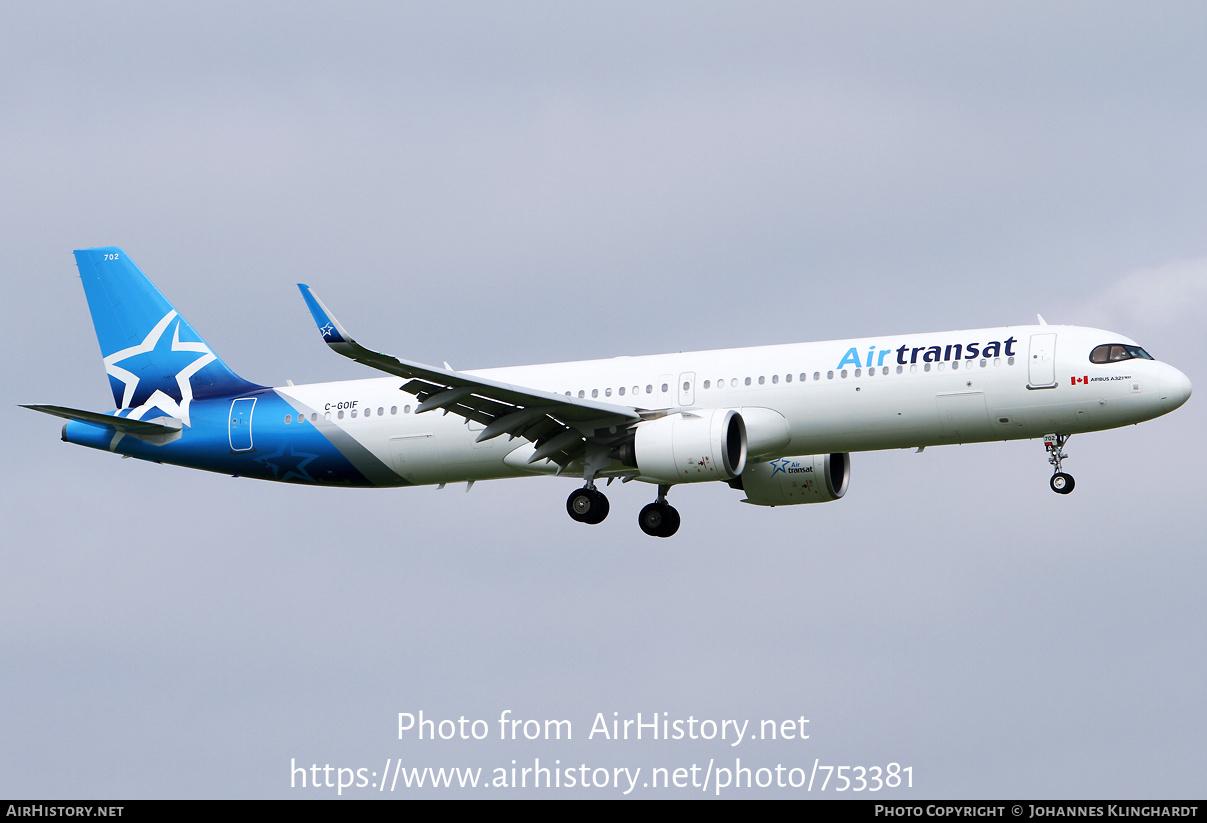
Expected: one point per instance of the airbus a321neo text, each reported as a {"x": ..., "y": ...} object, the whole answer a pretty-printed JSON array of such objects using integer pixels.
[{"x": 774, "y": 422}]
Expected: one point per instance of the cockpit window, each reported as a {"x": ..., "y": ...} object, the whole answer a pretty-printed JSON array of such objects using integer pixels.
[{"x": 1114, "y": 352}]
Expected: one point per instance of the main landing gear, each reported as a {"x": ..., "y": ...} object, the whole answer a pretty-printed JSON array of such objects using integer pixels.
[
  {"x": 1061, "y": 483},
  {"x": 587, "y": 505},
  {"x": 658, "y": 519}
]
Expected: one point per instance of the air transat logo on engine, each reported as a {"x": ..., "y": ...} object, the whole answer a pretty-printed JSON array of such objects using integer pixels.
[
  {"x": 906, "y": 355},
  {"x": 787, "y": 465}
]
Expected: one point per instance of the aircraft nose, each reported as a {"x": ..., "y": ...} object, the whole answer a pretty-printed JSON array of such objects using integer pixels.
[{"x": 1175, "y": 389}]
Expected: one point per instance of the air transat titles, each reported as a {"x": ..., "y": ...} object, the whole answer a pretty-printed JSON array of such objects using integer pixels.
[{"x": 929, "y": 354}]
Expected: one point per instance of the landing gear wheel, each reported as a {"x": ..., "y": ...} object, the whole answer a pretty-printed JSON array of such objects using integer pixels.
[
  {"x": 672, "y": 524},
  {"x": 659, "y": 520},
  {"x": 587, "y": 506},
  {"x": 1062, "y": 483}
]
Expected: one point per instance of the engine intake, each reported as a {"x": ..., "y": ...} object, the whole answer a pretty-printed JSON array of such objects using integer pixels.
[{"x": 690, "y": 447}]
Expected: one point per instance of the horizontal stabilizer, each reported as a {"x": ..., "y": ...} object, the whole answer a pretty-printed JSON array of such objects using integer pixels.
[{"x": 121, "y": 424}]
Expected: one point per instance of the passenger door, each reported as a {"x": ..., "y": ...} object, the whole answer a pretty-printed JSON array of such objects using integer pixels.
[{"x": 1041, "y": 363}]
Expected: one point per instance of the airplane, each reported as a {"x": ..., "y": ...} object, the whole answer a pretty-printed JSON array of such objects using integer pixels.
[{"x": 777, "y": 423}]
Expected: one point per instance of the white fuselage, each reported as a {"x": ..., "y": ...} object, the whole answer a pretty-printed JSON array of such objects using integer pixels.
[{"x": 837, "y": 396}]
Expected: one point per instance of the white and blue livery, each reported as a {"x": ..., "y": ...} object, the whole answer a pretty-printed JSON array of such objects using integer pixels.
[{"x": 775, "y": 422}]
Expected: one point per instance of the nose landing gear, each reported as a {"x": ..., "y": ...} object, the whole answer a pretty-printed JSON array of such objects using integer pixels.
[{"x": 1061, "y": 483}]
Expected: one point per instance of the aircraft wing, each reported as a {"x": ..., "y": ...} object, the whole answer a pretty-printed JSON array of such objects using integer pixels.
[{"x": 556, "y": 424}]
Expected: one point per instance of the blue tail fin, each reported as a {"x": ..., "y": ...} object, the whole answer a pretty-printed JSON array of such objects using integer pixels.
[{"x": 154, "y": 358}]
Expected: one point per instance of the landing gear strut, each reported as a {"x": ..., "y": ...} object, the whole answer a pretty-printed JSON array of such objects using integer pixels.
[
  {"x": 1061, "y": 483},
  {"x": 659, "y": 519},
  {"x": 588, "y": 504}
]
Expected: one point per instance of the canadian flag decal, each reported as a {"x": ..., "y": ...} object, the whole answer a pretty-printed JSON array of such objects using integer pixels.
[{"x": 1084, "y": 379}]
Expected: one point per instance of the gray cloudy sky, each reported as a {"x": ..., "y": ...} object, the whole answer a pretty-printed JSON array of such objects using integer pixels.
[{"x": 492, "y": 184}]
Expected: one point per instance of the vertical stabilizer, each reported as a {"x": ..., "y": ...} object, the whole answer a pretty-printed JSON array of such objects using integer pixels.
[{"x": 157, "y": 364}]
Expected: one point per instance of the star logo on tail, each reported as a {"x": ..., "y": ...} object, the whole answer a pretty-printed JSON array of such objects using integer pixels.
[{"x": 157, "y": 372}]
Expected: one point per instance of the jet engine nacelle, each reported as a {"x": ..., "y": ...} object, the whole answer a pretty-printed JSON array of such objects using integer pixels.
[
  {"x": 691, "y": 447},
  {"x": 790, "y": 481}
]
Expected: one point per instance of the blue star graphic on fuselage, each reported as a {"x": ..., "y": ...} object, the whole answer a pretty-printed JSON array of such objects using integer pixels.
[
  {"x": 288, "y": 464},
  {"x": 779, "y": 466}
]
